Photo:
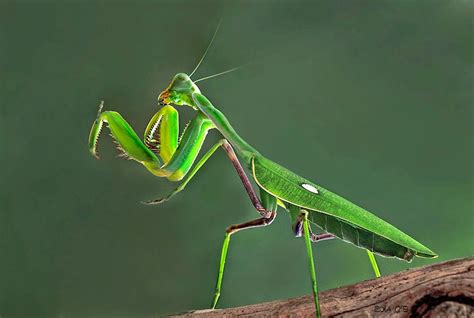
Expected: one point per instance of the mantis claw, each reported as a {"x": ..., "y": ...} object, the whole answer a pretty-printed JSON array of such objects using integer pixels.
[
  {"x": 154, "y": 202},
  {"x": 101, "y": 106}
]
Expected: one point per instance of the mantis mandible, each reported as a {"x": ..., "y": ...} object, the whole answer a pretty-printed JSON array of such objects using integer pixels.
[{"x": 165, "y": 154}]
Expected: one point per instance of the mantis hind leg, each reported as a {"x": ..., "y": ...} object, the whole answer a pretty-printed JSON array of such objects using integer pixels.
[
  {"x": 374, "y": 264},
  {"x": 298, "y": 231},
  {"x": 270, "y": 203},
  {"x": 309, "y": 250}
]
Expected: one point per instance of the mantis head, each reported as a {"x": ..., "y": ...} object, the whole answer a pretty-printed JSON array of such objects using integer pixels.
[{"x": 179, "y": 92}]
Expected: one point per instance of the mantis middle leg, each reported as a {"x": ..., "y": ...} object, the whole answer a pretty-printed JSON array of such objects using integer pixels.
[
  {"x": 269, "y": 202},
  {"x": 238, "y": 167}
]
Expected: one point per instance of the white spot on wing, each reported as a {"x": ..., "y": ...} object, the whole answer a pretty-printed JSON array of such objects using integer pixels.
[{"x": 310, "y": 188}]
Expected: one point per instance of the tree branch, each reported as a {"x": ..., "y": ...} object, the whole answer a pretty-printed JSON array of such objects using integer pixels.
[{"x": 439, "y": 290}]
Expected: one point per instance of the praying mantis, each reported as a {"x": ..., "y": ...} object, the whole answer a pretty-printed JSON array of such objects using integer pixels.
[{"x": 165, "y": 154}]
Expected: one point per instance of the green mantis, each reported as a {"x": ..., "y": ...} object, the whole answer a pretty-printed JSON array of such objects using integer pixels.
[{"x": 165, "y": 154}]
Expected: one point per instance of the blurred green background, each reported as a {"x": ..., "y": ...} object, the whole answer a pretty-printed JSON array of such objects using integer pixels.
[{"x": 371, "y": 100}]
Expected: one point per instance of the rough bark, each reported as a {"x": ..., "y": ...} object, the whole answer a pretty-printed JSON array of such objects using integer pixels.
[{"x": 439, "y": 290}]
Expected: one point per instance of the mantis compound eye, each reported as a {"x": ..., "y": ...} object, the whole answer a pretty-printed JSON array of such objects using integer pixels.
[{"x": 164, "y": 98}]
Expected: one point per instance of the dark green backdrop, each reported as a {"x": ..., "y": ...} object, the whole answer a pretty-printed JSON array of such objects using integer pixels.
[{"x": 372, "y": 100}]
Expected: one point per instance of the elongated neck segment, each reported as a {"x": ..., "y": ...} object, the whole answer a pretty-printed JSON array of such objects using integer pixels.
[{"x": 242, "y": 148}]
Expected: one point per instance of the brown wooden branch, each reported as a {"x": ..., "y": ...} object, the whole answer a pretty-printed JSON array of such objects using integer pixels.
[{"x": 439, "y": 290}]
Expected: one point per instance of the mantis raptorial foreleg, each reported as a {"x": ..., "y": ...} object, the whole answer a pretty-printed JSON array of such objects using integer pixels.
[
  {"x": 128, "y": 141},
  {"x": 161, "y": 133},
  {"x": 177, "y": 160}
]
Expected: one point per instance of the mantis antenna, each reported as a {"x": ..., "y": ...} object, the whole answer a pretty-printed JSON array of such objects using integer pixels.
[
  {"x": 218, "y": 74},
  {"x": 207, "y": 49}
]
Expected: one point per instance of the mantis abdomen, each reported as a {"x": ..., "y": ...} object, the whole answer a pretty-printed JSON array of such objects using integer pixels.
[{"x": 360, "y": 237}]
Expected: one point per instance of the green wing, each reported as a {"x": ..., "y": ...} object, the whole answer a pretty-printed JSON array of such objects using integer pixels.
[{"x": 335, "y": 214}]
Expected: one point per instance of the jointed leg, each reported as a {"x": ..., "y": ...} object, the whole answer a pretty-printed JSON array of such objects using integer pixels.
[
  {"x": 160, "y": 137},
  {"x": 260, "y": 222},
  {"x": 161, "y": 133},
  {"x": 268, "y": 203},
  {"x": 298, "y": 230},
  {"x": 245, "y": 180},
  {"x": 238, "y": 167},
  {"x": 124, "y": 135},
  {"x": 189, "y": 176},
  {"x": 309, "y": 250},
  {"x": 373, "y": 262},
  {"x": 320, "y": 237}
]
